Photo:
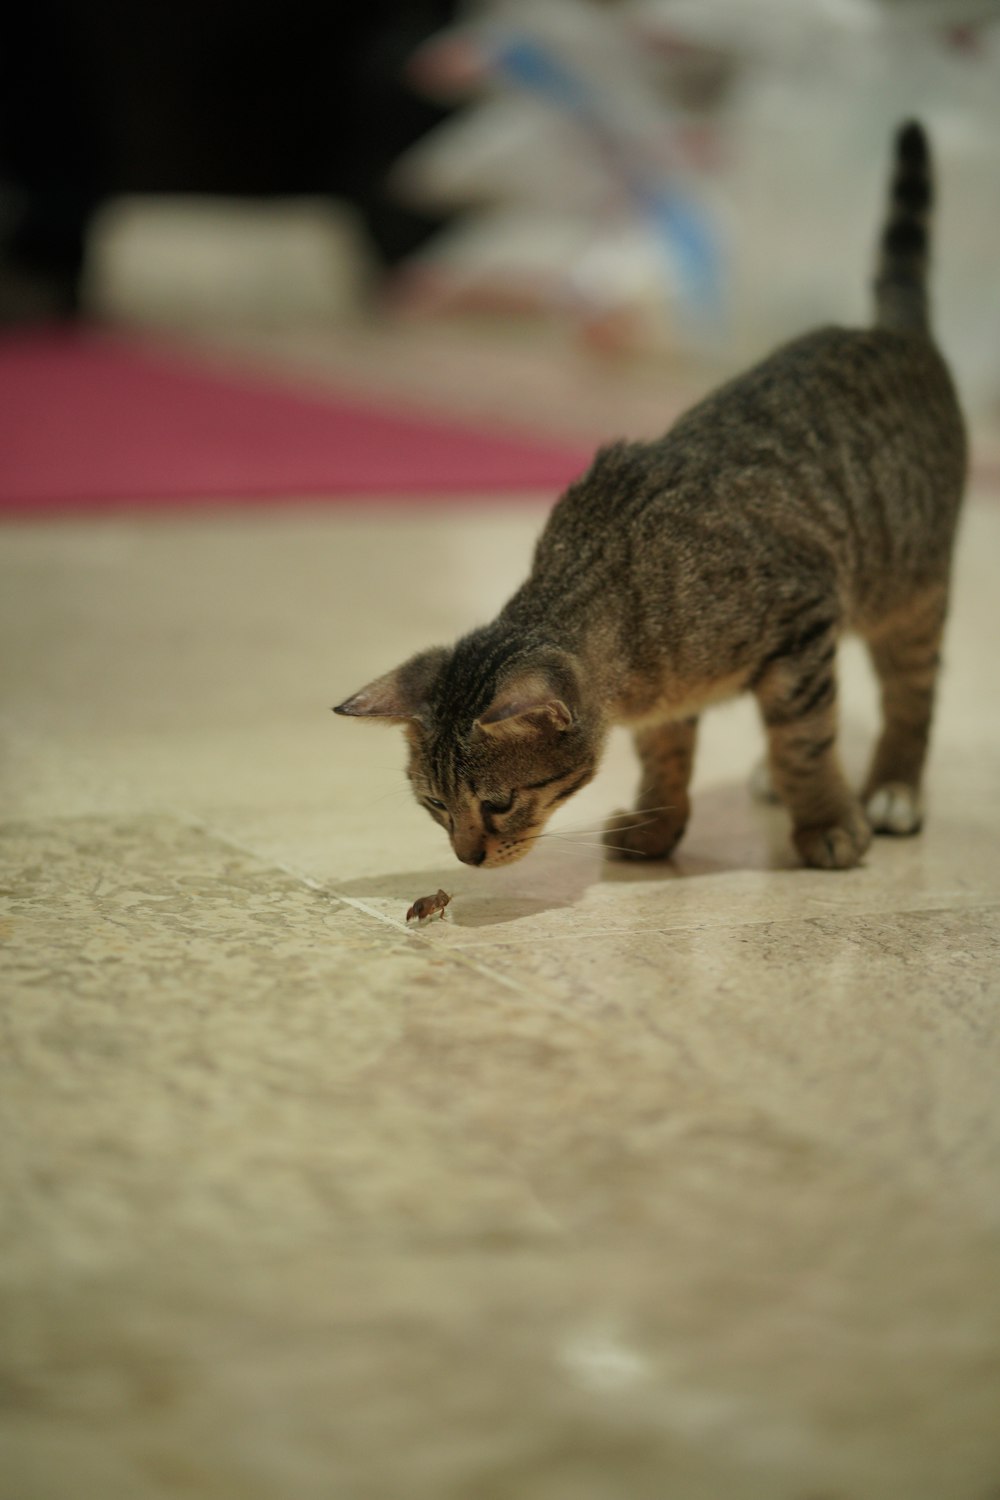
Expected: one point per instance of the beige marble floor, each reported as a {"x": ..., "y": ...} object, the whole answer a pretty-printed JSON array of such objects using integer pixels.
[{"x": 620, "y": 1184}]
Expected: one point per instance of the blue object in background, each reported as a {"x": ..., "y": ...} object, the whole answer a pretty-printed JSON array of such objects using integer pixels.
[{"x": 677, "y": 221}]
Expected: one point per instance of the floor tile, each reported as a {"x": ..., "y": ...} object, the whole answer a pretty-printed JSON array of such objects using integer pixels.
[{"x": 618, "y": 1181}]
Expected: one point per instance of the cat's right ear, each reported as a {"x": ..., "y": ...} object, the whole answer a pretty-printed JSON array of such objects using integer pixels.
[{"x": 400, "y": 695}]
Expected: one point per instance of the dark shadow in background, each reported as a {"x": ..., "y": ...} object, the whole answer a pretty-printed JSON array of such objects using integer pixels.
[{"x": 237, "y": 97}]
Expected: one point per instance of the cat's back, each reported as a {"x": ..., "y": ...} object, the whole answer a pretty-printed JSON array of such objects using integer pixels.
[
  {"x": 831, "y": 388},
  {"x": 846, "y": 445},
  {"x": 850, "y": 440},
  {"x": 819, "y": 417}
]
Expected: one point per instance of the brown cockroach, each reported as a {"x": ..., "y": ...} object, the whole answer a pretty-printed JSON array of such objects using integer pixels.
[{"x": 428, "y": 906}]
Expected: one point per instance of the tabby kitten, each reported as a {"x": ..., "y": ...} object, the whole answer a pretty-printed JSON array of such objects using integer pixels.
[{"x": 817, "y": 493}]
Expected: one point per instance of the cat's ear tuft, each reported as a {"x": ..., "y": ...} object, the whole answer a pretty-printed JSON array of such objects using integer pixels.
[
  {"x": 526, "y": 706},
  {"x": 401, "y": 695}
]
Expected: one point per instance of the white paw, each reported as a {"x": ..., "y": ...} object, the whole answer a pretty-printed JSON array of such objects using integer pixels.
[
  {"x": 895, "y": 808},
  {"x": 761, "y": 785}
]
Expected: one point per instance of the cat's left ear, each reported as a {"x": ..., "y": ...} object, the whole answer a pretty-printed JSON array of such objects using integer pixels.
[
  {"x": 525, "y": 706},
  {"x": 400, "y": 695}
]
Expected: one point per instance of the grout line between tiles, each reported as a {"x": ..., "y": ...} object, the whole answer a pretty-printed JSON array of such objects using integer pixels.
[
  {"x": 526, "y": 993},
  {"x": 534, "y": 992}
]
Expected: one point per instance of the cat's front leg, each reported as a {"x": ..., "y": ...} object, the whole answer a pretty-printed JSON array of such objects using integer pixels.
[
  {"x": 798, "y": 699},
  {"x": 655, "y": 827}
]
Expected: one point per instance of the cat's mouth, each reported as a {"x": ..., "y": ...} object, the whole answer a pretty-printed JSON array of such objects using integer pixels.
[{"x": 507, "y": 852}]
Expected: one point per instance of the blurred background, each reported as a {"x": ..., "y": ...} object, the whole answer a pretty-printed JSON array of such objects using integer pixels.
[
  {"x": 618, "y": 1183},
  {"x": 683, "y": 180}
]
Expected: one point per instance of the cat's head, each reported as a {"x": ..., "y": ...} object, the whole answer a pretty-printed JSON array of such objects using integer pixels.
[{"x": 499, "y": 737}]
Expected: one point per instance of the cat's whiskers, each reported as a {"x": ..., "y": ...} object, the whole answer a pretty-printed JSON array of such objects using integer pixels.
[
  {"x": 580, "y": 837},
  {"x": 589, "y": 844},
  {"x": 399, "y": 791},
  {"x": 644, "y": 816}
]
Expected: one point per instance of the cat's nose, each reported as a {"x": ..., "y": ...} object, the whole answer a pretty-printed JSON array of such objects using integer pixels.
[{"x": 469, "y": 841}]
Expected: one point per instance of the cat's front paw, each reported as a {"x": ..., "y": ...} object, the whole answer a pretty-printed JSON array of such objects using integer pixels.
[
  {"x": 894, "y": 808},
  {"x": 639, "y": 835},
  {"x": 834, "y": 846}
]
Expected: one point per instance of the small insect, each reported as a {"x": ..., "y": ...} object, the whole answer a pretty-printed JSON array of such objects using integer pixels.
[{"x": 427, "y": 906}]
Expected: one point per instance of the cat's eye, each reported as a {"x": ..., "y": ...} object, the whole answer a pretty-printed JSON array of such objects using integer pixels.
[
  {"x": 493, "y": 808},
  {"x": 433, "y": 802}
]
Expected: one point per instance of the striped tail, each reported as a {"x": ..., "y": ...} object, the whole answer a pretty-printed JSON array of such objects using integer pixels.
[{"x": 901, "y": 282}]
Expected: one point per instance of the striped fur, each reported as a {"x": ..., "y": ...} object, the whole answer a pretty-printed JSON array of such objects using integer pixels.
[
  {"x": 901, "y": 282},
  {"x": 817, "y": 493}
]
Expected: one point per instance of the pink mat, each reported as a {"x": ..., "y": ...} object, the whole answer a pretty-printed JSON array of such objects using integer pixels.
[{"x": 89, "y": 422}]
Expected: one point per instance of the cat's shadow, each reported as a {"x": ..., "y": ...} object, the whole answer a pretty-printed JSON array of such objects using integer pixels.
[{"x": 730, "y": 831}]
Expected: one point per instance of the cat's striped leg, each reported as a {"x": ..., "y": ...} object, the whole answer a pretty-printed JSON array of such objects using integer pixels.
[
  {"x": 906, "y": 657},
  {"x": 798, "y": 700},
  {"x": 655, "y": 827}
]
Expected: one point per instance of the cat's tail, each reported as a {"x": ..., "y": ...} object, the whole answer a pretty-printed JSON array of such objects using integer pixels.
[{"x": 901, "y": 282}]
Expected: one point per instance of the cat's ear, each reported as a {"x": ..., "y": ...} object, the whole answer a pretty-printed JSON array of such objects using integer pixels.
[
  {"x": 400, "y": 695},
  {"x": 526, "y": 705}
]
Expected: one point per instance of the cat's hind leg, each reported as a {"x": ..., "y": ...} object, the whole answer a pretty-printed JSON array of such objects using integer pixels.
[
  {"x": 797, "y": 694},
  {"x": 653, "y": 830},
  {"x": 906, "y": 655}
]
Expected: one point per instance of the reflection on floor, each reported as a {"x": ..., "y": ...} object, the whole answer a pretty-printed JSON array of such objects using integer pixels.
[{"x": 618, "y": 1184}]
